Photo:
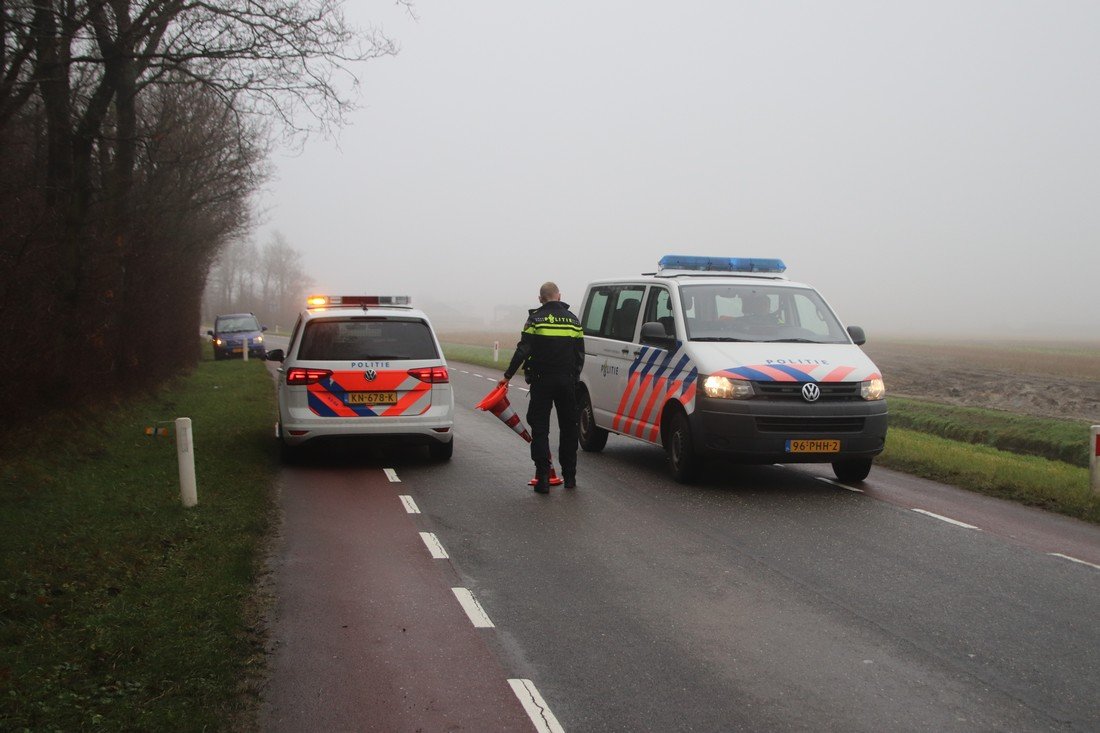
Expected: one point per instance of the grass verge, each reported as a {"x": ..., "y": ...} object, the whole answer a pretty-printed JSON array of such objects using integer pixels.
[
  {"x": 1034, "y": 461},
  {"x": 120, "y": 609}
]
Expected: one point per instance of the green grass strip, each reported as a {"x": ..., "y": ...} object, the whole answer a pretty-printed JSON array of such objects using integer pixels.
[
  {"x": 1058, "y": 440},
  {"x": 1052, "y": 485},
  {"x": 479, "y": 355},
  {"x": 120, "y": 609}
]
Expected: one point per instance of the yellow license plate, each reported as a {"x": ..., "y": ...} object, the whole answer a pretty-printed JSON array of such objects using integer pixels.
[
  {"x": 813, "y": 446},
  {"x": 371, "y": 398}
]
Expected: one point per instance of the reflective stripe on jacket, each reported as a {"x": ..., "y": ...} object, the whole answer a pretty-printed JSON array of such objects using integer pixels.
[{"x": 552, "y": 343}]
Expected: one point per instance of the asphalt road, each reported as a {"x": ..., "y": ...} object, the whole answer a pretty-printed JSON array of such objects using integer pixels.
[{"x": 763, "y": 598}]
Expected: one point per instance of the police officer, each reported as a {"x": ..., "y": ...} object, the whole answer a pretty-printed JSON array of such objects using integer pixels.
[{"x": 551, "y": 352}]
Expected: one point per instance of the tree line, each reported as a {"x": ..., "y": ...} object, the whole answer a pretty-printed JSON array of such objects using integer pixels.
[
  {"x": 268, "y": 280},
  {"x": 132, "y": 136}
]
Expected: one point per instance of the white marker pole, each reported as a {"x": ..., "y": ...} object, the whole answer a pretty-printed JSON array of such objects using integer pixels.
[
  {"x": 185, "y": 454},
  {"x": 496, "y": 351},
  {"x": 246, "y": 349},
  {"x": 1094, "y": 457}
]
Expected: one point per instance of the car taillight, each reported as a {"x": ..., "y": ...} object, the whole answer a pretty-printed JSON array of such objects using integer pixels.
[
  {"x": 299, "y": 375},
  {"x": 431, "y": 375}
]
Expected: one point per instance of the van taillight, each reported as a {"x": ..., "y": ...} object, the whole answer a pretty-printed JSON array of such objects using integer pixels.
[
  {"x": 431, "y": 375},
  {"x": 298, "y": 375}
]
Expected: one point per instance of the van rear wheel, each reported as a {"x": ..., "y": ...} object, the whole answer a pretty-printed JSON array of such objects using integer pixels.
[
  {"x": 680, "y": 446},
  {"x": 853, "y": 470},
  {"x": 592, "y": 438}
]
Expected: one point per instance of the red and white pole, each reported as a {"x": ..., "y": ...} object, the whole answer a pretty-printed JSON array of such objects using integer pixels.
[{"x": 1094, "y": 457}]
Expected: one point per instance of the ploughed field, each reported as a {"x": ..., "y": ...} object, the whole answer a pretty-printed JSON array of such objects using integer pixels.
[{"x": 1036, "y": 378}]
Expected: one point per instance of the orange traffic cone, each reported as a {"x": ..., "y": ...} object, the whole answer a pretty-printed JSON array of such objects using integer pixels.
[{"x": 496, "y": 402}]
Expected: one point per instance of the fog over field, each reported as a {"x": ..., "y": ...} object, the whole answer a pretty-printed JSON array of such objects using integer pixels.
[{"x": 933, "y": 168}]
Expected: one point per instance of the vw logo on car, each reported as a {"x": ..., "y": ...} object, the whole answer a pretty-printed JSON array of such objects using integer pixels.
[{"x": 810, "y": 391}]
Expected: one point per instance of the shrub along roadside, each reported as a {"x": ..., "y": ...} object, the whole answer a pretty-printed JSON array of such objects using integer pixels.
[
  {"x": 119, "y": 608},
  {"x": 961, "y": 446}
]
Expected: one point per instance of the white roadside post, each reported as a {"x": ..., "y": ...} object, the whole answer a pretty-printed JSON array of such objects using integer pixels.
[
  {"x": 246, "y": 341},
  {"x": 1094, "y": 457},
  {"x": 496, "y": 351},
  {"x": 186, "y": 456}
]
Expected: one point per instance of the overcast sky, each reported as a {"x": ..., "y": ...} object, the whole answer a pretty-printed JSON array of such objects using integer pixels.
[{"x": 930, "y": 167}]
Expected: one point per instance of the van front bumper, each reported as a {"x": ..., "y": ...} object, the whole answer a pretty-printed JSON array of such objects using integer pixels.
[{"x": 762, "y": 431}]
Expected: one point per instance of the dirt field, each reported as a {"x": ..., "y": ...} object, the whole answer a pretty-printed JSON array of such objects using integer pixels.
[{"x": 1043, "y": 379}]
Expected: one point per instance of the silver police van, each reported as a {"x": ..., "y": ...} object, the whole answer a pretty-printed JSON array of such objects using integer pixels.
[{"x": 725, "y": 356}]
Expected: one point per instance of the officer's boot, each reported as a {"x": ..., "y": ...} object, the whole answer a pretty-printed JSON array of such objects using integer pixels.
[{"x": 542, "y": 481}]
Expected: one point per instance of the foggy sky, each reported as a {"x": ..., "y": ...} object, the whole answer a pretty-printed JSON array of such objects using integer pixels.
[{"x": 930, "y": 167}]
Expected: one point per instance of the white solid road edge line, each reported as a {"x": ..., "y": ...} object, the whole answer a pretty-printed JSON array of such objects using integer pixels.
[
  {"x": 473, "y": 609},
  {"x": 434, "y": 546},
  {"x": 391, "y": 475},
  {"x": 837, "y": 483},
  {"x": 410, "y": 505},
  {"x": 949, "y": 520},
  {"x": 532, "y": 702},
  {"x": 1073, "y": 559}
]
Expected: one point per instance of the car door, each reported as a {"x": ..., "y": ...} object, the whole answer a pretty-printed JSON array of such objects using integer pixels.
[{"x": 611, "y": 322}]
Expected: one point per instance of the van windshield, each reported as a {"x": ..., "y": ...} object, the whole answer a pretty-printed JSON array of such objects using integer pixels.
[{"x": 758, "y": 313}]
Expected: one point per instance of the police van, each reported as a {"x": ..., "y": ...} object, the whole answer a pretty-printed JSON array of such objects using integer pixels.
[
  {"x": 364, "y": 366},
  {"x": 725, "y": 356}
]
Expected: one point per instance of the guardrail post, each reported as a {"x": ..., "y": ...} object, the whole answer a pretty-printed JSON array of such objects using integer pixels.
[
  {"x": 186, "y": 456},
  {"x": 1094, "y": 457}
]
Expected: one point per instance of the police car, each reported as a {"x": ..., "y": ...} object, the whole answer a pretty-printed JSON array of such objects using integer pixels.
[
  {"x": 364, "y": 366},
  {"x": 725, "y": 356}
]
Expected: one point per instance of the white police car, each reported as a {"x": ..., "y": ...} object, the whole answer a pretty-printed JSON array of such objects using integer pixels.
[
  {"x": 364, "y": 366},
  {"x": 726, "y": 356}
]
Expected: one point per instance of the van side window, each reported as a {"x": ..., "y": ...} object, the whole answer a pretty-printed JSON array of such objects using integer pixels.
[
  {"x": 659, "y": 308},
  {"x": 612, "y": 312}
]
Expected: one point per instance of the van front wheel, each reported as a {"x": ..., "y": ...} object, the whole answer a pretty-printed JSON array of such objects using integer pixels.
[
  {"x": 682, "y": 458},
  {"x": 592, "y": 438},
  {"x": 852, "y": 471}
]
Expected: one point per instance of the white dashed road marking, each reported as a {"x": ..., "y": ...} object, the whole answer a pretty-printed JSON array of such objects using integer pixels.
[
  {"x": 410, "y": 505},
  {"x": 837, "y": 483},
  {"x": 1073, "y": 559},
  {"x": 473, "y": 609},
  {"x": 391, "y": 475},
  {"x": 434, "y": 546},
  {"x": 949, "y": 520},
  {"x": 532, "y": 701}
]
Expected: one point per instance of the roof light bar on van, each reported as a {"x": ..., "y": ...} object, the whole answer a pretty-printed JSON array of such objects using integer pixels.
[
  {"x": 721, "y": 264},
  {"x": 332, "y": 301}
]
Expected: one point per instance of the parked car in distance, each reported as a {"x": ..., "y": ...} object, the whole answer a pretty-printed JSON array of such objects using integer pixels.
[{"x": 234, "y": 332}]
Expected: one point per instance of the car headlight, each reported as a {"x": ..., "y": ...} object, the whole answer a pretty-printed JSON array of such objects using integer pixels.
[
  {"x": 725, "y": 388},
  {"x": 219, "y": 342},
  {"x": 872, "y": 389},
  {"x": 258, "y": 340}
]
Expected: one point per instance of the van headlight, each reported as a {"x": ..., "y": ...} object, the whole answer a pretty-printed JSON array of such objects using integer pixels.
[
  {"x": 872, "y": 389},
  {"x": 724, "y": 388}
]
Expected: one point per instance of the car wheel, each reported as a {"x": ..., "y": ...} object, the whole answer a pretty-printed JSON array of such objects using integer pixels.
[
  {"x": 592, "y": 438},
  {"x": 441, "y": 451},
  {"x": 682, "y": 458},
  {"x": 290, "y": 454},
  {"x": 852, "y": 471}
]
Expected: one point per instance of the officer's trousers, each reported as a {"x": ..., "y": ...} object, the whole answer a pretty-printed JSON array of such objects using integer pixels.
[{"x": 559, "y": 392}]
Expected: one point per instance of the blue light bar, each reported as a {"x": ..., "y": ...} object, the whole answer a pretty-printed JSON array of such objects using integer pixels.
[{"x": 721, "y": 264}]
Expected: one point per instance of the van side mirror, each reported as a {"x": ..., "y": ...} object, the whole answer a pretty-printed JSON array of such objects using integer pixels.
[
  {"x": 276, "y": 355},
  {"x": 857, "y": 335},
  {"x": 654, "y": 333}
]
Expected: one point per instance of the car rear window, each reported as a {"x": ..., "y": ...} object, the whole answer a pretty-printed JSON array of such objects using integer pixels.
[{"x": 367, "y": 338}]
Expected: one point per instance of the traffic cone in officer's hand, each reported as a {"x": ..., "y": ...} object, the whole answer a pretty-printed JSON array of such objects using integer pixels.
[{"x": 496, "y": 402}]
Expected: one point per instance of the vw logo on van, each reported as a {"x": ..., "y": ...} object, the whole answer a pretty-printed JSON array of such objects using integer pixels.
[
  {"x": 370, "y": 374},
  {"x": 810, "y": 392}
]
